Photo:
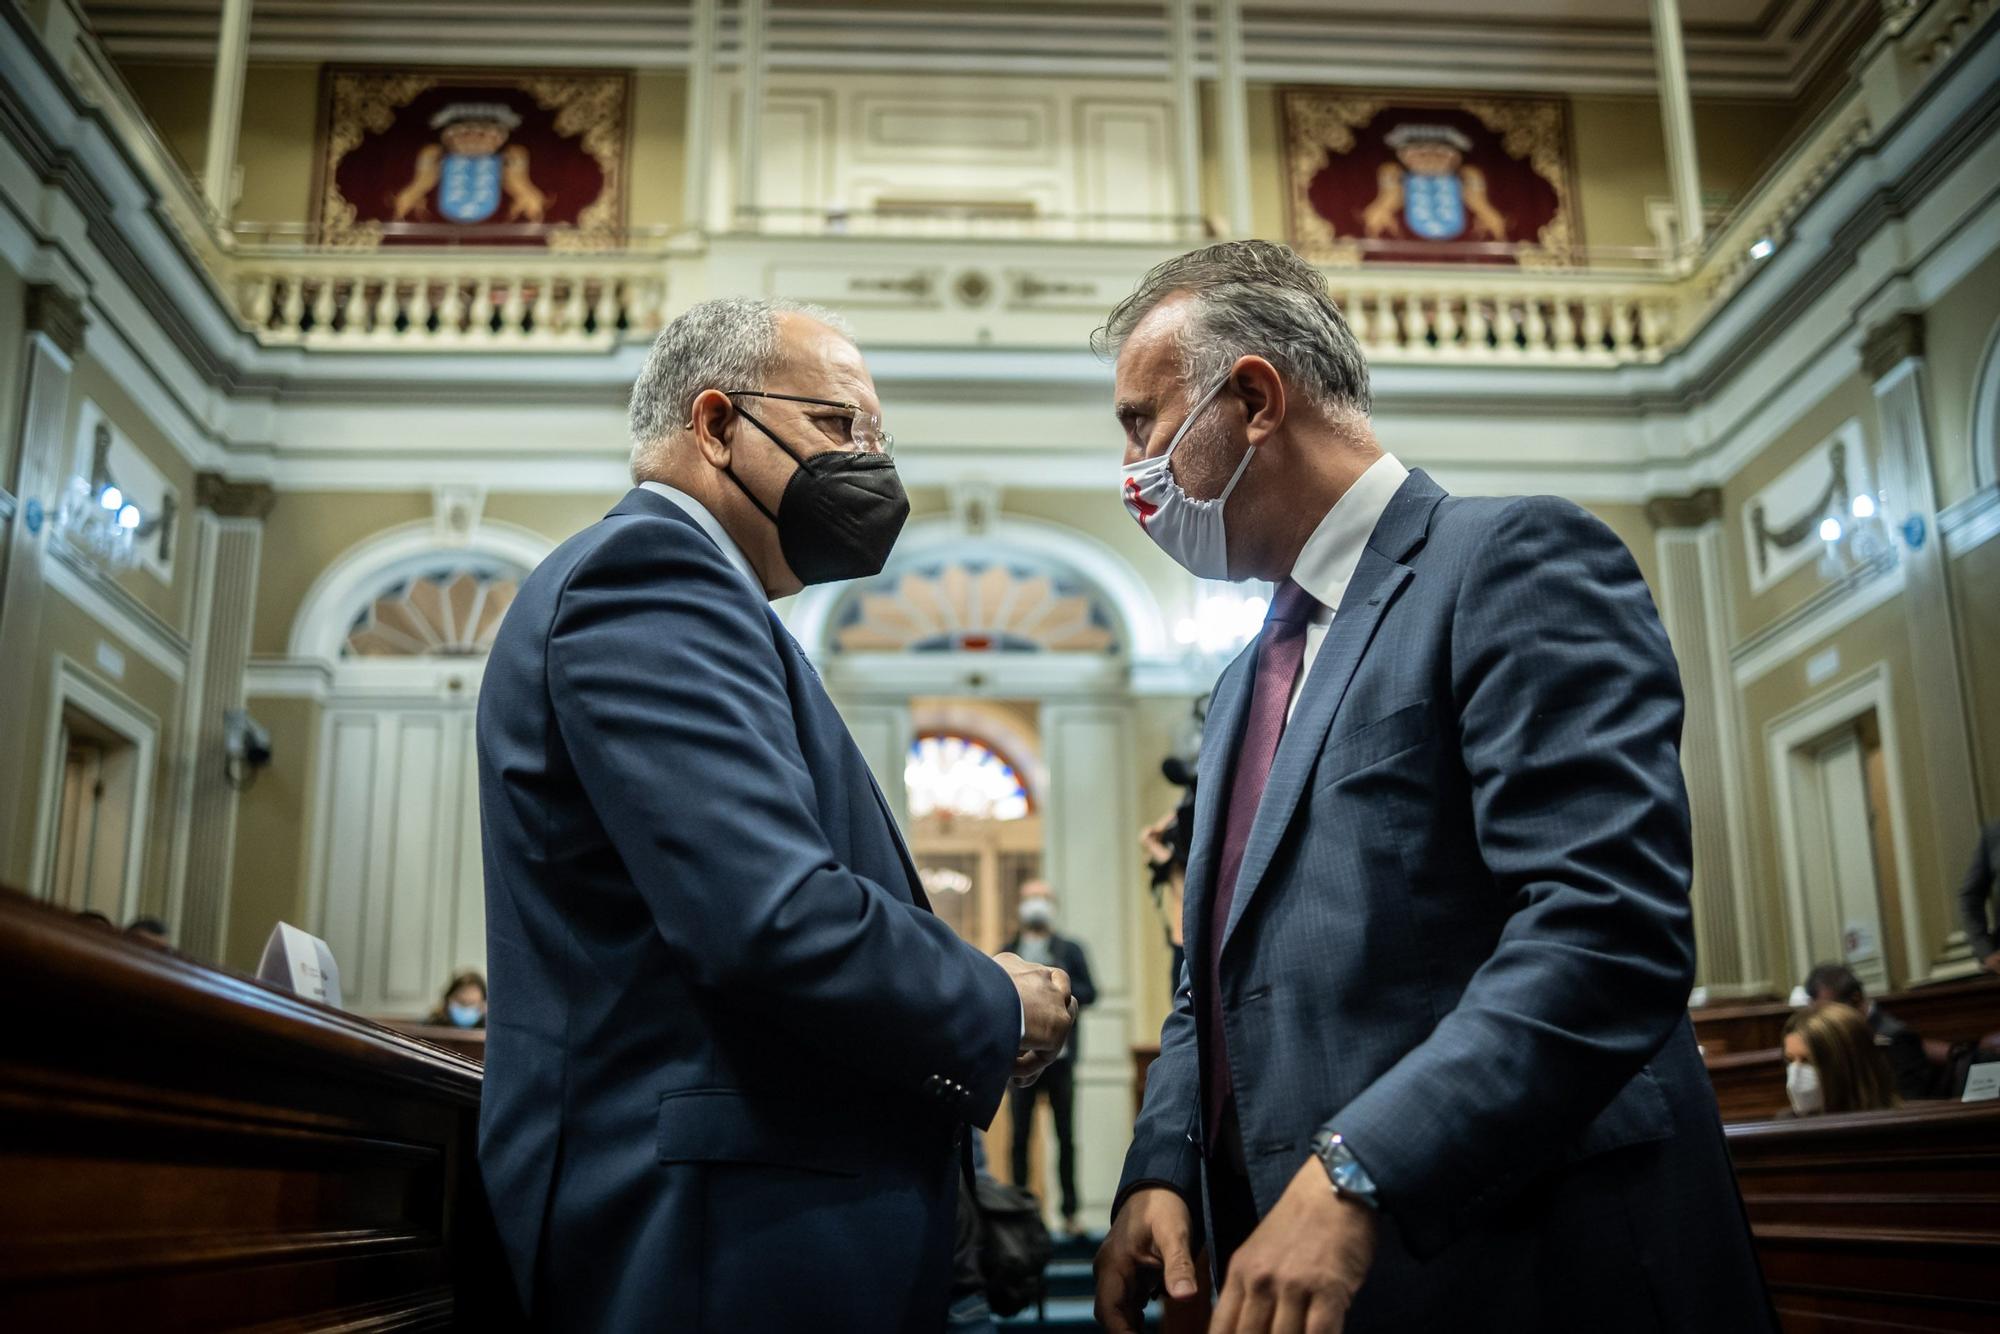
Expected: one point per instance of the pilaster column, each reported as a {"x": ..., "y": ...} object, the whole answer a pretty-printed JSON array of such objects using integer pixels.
[
  {"x": 55, "y": 326},
  {"x": 225, "y": 108},
  {"x": 1677, "y": 118},
  {"x": 883, "y": 732},
  {"x": 1729, "y": 958},
  {"x": 1893, "y": 356},
  {"x": 1187, "y": 104},
  {"x": 750, "y": 124},
  {"x": 229, "y": 536},
  {"x": 700, "y": 112},
  {"x": 1232, "y": 115},
  {"x": 1088, "y": 826}
]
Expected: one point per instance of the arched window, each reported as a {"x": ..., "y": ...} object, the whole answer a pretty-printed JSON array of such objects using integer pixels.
[
  {"x": 990, "y": 604},
  {"x": 963, "y": 777},
  {"x": 438, "y": 608}
]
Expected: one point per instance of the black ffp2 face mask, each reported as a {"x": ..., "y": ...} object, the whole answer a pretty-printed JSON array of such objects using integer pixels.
[{"x": 839, "y": 515}]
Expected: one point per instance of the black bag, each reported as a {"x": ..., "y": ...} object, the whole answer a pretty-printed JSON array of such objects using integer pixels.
[{"x": 1014, "y": 1245}]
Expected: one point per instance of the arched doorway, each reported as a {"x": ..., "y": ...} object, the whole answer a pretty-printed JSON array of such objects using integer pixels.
[
  {"x": 1019, "y": 640},
  {"x": 394, "y": 879}
]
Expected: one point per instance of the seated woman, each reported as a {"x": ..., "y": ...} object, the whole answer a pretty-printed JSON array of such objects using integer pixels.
[
  {"x": 1832, "y": 1063},
  {"x": 463, "y": 1004}
]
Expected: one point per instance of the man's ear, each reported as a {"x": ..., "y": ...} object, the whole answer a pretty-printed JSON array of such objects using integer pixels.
[
  {"x": 1257, "y": 382},
  {"x": 711, "y": 418}
]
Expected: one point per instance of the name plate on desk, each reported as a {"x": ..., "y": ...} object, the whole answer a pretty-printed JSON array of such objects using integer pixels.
[
  {"x": 301, "y": 964},
  {"x": 1982, "y": 1082}
]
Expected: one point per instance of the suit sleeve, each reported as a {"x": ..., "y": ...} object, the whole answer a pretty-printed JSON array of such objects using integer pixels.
[
  {"x": 1973, "y": 894},
  {"x": 1569, "y": 712},
  {"x": 672, "y": 702},
  {"x": 1164, "y": 1151}
]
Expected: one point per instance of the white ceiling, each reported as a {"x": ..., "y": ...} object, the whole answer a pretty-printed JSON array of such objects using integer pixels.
[{"x": 1735, "y": 47}]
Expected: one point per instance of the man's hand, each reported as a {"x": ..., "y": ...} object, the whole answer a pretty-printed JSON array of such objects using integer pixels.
[
  {"x": 1302, "y": 1266},
  {"x": 1047, "y": 1010},
  {"x": 1991, "y": 963},
  {"x": 1148, "y": 1241}
]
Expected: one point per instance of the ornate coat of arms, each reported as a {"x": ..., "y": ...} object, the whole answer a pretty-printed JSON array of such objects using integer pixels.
[
  {"x": 1401, "y": 178},
  {"x": 455, "y": 158}
]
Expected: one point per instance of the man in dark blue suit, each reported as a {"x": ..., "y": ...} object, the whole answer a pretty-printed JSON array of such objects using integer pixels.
[
  {"x": 731, "y": 1054},
  {"x": 1429, "y": 1066}
]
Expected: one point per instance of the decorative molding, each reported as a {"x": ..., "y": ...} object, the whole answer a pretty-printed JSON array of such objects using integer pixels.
[
  {"x": 75, "y": 684},
  {"x": 1971, "y": 521},
  {"x": 234, "y": 500},
  {"x": 57, "y": 316},
  {"x": 1785, "y": 637},
  {"x": 1796, "y": 530},
  {"x": 326, "y": 613},
  {"x": 101, "y": 598},
  {"x": 1892, "y": 342},
  {"x": 1685, "y": 511},
  {"x": 287, "y": 678}
]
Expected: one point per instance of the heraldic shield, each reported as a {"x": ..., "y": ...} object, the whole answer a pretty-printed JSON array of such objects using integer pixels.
[{"x": 469, "y": 187}]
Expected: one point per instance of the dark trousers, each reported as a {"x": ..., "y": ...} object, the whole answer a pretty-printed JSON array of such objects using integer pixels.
[
  {"x": 1059, "y": 1082},
  {"x": 1231, "y": 1205}
]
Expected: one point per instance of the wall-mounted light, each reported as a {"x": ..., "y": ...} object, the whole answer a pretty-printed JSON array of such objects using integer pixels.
[{"x": 1762, "y": 248}]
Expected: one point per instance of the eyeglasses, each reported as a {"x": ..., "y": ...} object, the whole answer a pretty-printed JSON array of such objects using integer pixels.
[{"x": 864, "y": 429}]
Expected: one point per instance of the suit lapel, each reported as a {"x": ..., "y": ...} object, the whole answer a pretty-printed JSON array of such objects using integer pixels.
[
  {"x": 1377, "y": 580},
  {"x": 1221, "y": 735}
]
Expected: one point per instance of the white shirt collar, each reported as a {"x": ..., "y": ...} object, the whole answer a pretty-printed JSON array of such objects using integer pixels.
[
  {"x": 1327, "y": 562},
  {"x": 717, "y": 534}
]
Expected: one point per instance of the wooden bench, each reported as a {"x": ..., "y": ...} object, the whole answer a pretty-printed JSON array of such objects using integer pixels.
[
  {"x": 1877, "y": 1221},
  {"x": 188, "y": 1149}
]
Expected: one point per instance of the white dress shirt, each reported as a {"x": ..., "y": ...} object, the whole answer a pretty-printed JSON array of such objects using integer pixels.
[
  {"x": 695, "y": 510},
  {"x": 1327, "y": 562}
]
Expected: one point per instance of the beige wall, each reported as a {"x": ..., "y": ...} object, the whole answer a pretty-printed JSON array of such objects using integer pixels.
[
  {"x": 13, "y": 324},
  {"x": 1853, "y": 399},
  {"x": 1976, "y": 589},
  {"x": 273, "y": 826},
  {"x": 306, "y": 532},
  {"x": 1958, "y": 329},
  {"x": 170, "y": 601}
]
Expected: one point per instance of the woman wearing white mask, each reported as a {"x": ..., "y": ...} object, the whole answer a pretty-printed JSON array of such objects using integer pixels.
[{"x": 1833, "y": 1065}]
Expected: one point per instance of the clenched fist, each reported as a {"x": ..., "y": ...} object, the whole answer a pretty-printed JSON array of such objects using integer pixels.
[{"x": 1048, "y": 1012}]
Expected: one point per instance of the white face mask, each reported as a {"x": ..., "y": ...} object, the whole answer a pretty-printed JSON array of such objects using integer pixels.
[
  {"x": 1187, "y": 529},
  {"x": 1802, "y": 1087}
]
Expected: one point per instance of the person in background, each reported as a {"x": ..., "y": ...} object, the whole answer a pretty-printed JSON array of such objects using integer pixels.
[
  {"x": 1916, "y": 1077},
  {"x": 1166, "y": 862},
  {"x": 1832, "y": 1063},
  {"x": 1976, "y": 893},
  {"x": 1039, "y": 943},
  {"x": 151, "y": 930},
  {"x": 463, "y": 1004},
  {"x": 92, "y": 917}
]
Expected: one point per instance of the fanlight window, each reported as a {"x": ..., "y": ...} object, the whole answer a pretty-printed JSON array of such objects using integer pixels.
[
  {"x": 437, "y": 614},
  {"x": 960, "y": 777},
  {"x": 974, "y": 607}
]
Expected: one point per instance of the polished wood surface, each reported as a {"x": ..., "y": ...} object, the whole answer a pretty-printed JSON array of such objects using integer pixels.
[
  {"x": 1947, "y": 1011},
  {"x": 1877, "y": 1221},
  {"x": 1749, "y": 1085},
  {"x": 185, "y": 1148},
  {"x": 467, "y": 1042}
]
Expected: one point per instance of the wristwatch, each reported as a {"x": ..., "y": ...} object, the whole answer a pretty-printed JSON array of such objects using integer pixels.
[{"x": 1350, "y": 1180}]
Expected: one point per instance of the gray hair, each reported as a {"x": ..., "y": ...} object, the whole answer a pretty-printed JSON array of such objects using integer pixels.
[
  {"x": 1251, "y": 297},
  {"x": 727, "y": 343}
]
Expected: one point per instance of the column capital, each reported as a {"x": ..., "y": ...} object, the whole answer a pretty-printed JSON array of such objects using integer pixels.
[
  {"x": 1689, "y": 511},
  {"x": 1892, "y": 342},
  {"x": 58, "y": 316},
  {"x": 233, "y": 500}
]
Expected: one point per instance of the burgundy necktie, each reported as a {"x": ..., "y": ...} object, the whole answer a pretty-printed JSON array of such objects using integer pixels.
[{"x": 1281, "y": 649}]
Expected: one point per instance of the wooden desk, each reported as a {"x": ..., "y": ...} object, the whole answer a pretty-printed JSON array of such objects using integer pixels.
[
  {"x": 188, "y": 1149},
  {"x": 1879, "y": 1220},
  {"x": 1948, "y": 1012},
  {"x": 1749, "y": 1085},
  {"x": 467, "y": 1042}
]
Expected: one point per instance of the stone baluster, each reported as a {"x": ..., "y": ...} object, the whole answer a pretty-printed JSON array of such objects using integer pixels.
[
  {"x": 451, "y": 312},
  {"x": 294, "y": 309}
]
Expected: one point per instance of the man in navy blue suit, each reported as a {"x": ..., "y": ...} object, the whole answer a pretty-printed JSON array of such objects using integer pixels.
[
  {"x": 731, "y": 1054},
  {"x": 1429, "y": 1066}
]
